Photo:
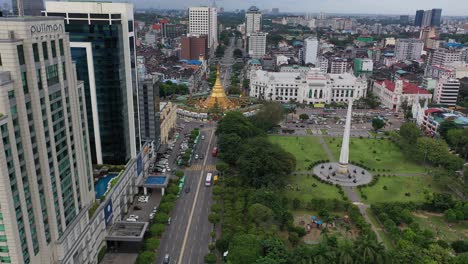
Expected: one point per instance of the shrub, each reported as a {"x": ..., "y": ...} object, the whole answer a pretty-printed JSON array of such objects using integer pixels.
[
  {"x": 161, "y": 218},
  {"x": 152, "y": 243},
  {"x": 157, "y": 229},
  {"x": 145, "y": 257},
  {"x": 210, "y": 258},
  {"x": 211, "y": 246},
  {"x": 293, "y": 238}
]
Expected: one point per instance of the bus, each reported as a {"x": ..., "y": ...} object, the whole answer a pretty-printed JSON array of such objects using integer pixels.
[
  {"x": 208, "y": 179},
  {"x": 214, "y": 153}
]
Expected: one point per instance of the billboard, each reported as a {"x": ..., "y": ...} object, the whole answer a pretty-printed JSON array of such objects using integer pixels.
[{"x": 108, "y": 212}]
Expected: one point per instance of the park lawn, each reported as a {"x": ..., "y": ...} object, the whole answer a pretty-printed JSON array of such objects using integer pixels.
[
  {"x": 436, "y": 222},
  {"x": 305, "y": 149},
  {"x": 300, "y": 186},
  {"x": 387, "y": 155},
  {"x": 397, "y": 186}
]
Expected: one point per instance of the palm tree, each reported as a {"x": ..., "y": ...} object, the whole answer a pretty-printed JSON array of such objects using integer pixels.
[{"x": 346, "y": 255}]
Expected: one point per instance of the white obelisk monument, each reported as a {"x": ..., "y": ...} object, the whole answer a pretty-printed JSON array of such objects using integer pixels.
[{"x": 344, "y": 155}]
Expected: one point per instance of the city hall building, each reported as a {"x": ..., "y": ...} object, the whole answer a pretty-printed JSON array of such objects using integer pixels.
[{"x": 310, "y": 87}]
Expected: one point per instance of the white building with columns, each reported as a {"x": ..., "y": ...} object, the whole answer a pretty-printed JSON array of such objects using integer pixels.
[{"x": 308, "y": 87}]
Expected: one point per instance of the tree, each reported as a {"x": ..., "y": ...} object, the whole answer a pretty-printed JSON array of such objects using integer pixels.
[
  {"x": 161, "y": 218},
  {"x": 269, "y": 115},
  {"x": 236, "y": 123},
  {"x": 145, "y": 257},
  {"x": 157, "y": 229},
  {"x": 410, "y": 133},
  {"x": 210, "y": 258},
  {"x": 214, "y": 218},
  {"x": 303, "y": 117},
  {"x": 450, "y": 215},
  {"x": 222, "y": 167},
  {"x": 259, "y": 213},
  {"x": 237, "y": 53},
  {"x": 244, "y": 248},
  {"x": 179, "y": 173},
  {"x": 152, "y": 243},
  {"x": 377, "y": 123},
  {"x": 229, "y": 147},
  {"x": 445, "y": 127},
  {"x": 264, "y": 164},
  {"x": 293, "y": 238},
  {"x": 460, "y": 246}
]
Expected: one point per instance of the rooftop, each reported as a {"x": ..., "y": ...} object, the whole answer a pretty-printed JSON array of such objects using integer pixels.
[{"x": 408, "y": 88}]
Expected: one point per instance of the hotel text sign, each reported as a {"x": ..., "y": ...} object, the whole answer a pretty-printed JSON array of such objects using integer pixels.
[{"x": 46, "y": 29}]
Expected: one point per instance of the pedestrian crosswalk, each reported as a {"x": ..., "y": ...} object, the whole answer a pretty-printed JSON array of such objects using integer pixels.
[{"x": 199, "y": 167}]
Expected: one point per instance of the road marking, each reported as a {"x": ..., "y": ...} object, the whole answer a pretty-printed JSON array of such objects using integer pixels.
[{"x": 182, "y": 251}]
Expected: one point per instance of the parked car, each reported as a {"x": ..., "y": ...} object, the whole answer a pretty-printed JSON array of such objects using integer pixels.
[
  {"x": 196, "y": 156},
  {"x": 203, "y": 137},
  {"x": 133, "y": 216},
  {"x": 155, "y": 209},
  {"x": 169, "y": 221},
  {"x": 136, "y": 207},
  {"x": 131, "y": 220},
  {"x": 187, "y": 189},
  {"x": 151, "y": 216}
]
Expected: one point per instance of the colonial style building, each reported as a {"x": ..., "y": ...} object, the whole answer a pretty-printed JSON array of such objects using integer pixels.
[
  {"x": 309, "y": 87},
  {"x": 392, "y": 95}
]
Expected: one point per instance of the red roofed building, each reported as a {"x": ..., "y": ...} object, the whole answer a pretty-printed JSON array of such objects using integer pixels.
[
  {"x": 392, "y": 95},
  {"x": 156, "y": 27}
]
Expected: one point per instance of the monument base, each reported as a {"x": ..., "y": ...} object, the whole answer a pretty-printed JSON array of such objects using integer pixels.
[{"x": 342, "y": 168}]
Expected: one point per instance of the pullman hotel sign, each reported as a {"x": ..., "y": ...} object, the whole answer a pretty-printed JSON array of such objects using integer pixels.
[{"x": 46, "y": 31}]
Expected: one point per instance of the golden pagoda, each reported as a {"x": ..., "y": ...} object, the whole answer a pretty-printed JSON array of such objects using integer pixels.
[{"x": 218, "y": 96}]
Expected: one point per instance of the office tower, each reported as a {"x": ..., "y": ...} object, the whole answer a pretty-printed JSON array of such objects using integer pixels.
[
  {"x": 257, "y": 45},
  {"x": 29, "y": 7},
  {"x": 418, "y": 18},
  {"x": 148, "y": 96},
  {"x": 253, "y": 20},
  {"x": 46, "y": 181},
  {"x": 436, "y": 15},
  {"x": 447, "y": 90},
  {"x": 193, "y": 47},
  {"x": 204, "y": 21},
  {"x": 427, "y": 17},
  {"x": 103, "y": 45},
  {"x": 338, "y": 65},
  {"x": 311, "y": 46},
  {"x": 404, "y": 19},
  {"x": 408, "y": 49}
]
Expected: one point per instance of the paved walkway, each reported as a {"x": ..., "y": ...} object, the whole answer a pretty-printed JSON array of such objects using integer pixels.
[
  {"x": 351, "y": 193},
  {"x": 327, "y": 149}
]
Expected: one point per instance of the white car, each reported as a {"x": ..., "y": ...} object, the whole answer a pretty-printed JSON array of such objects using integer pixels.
[
  {"x": 168, "y": 169},
  {"x": 143, "y": 199},
  {"x": 131, "y": 220},
  {"x": 151, "y": 216},
  {"x": 134, "y": 216}
]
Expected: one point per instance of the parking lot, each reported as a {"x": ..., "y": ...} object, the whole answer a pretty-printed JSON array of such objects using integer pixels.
[{"x": 331, "y": 121}]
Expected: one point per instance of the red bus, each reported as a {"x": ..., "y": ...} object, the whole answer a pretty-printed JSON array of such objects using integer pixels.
[{"x": 214, "y": 152}]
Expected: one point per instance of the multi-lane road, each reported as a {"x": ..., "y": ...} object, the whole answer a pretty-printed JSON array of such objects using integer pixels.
[{"x": 187, "y": 237}]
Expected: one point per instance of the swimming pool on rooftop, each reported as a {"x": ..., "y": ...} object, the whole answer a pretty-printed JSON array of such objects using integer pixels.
[
  {"x": 159, "y": 180},
  {"x": 101, "y": 185}
]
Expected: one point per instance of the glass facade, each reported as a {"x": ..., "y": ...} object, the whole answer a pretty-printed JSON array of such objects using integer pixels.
[{"x": 110, "y": 79}]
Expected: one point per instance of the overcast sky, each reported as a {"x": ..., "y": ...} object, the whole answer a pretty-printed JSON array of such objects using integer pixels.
[{"x": 449, "y": 7}]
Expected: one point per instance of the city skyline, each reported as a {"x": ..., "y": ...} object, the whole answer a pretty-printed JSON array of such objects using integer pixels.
[{"x": 449, "y": 7}]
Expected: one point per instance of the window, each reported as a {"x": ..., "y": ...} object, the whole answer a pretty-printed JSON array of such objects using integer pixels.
[
  {"x": 44, "y": 50},
  {"x": 64, "y": 71},
  {"x": 5, "y": 259},
  {"x": 52, "y": 75},
  {"x": 24, "y": 80},
  {"x": 1, "y": 60},
  {"x": 130, "y": 26},
  {"x": 2, "y": 228},
  {"x": 61, "y": 47},
  {"x": 20, "y": 50},
  {"x": 54, "y": 49},
  {"x": 36, "y": 52},
  {"x": 3, "y": 238},
  {"x": 39, "y": 79},
  {"x": 3, "y": 249},
  {"x": 11, "y": 94}
]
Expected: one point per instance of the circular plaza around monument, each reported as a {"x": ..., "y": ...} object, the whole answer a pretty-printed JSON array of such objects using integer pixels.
[{"x": 355, "y": 176}]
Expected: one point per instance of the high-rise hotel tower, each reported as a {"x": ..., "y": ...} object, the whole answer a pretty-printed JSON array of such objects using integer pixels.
[{"x": 46, "y": 179}]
